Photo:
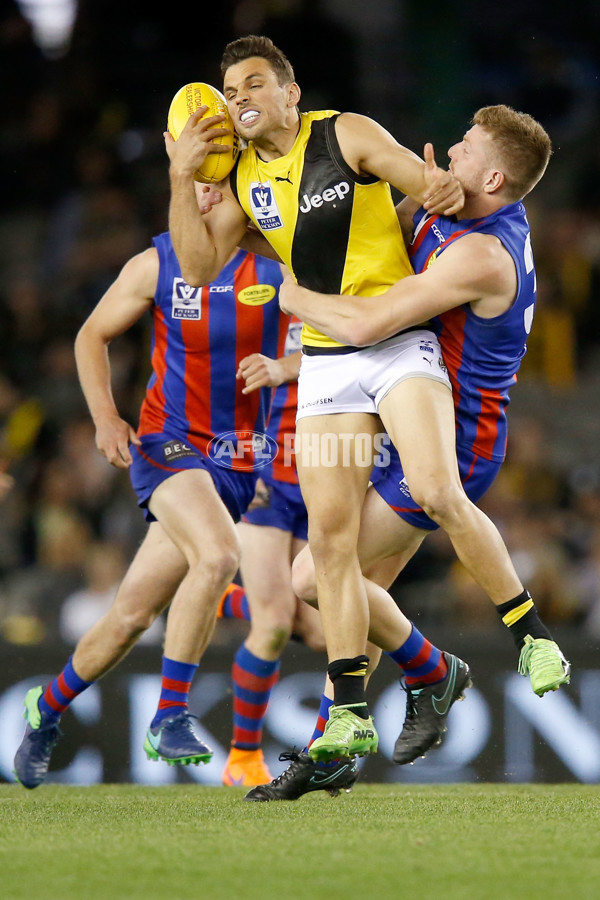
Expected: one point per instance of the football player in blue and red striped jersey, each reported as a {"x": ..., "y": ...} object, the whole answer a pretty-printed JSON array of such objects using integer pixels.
[
  {"x": 272, "y": 533},
  {"x": 193, "y": 463},
  {"x": 475, "y": 284}
]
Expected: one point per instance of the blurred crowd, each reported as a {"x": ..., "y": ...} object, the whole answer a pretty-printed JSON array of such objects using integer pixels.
[{"x": 83, "y": 176}]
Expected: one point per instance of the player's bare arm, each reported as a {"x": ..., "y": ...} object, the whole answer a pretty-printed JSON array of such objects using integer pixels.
[
  {"x": 476, "y": 269},
  {"x": 405, "y": 211},
  {"x": 203, "y": 242},
  {"x": 254, "y": 242},
  {"x": 371, "y": 150},
  {"x": 262, "y": 371},
  {"x": 209, "y": 196},
  {"x": 127, "y": 299}
]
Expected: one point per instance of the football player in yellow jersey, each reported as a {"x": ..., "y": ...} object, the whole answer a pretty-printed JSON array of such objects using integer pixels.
[
  {"x": 433, "y": 694},
  {"x": 315, "y": 185}
]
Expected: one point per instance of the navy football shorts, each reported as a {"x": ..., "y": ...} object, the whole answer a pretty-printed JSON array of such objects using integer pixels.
[{"x": 162, "y": 455}]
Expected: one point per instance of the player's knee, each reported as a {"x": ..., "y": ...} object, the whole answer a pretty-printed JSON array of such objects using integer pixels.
[
  {"x": 442, "y": 501},
  {"x": 332, "y": 541},
  {"x": 314, "y": 639},
  {"x": 219, "y": 565},
  {"x": 303, "y": 577},
  {"x": 129, "y": 624},
  {"x": 280, "y": 635},
  {"x": 270, "y": 630}
]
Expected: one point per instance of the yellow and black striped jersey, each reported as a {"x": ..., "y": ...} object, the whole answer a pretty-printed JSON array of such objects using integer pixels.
[{"x": 335, "y": 230}]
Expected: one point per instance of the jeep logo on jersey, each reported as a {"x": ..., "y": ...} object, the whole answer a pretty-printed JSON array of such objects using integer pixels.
[
  {"x": 186, "y": 300},
  {"x": 329, "y": 195},
  {"x": 256, "y": 294},
  {"x": 247, "y": 450},
  {"x": 264, "y": 206}
]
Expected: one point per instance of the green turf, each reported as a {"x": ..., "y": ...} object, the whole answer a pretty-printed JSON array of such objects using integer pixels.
[{"x": 473, "y": 842}]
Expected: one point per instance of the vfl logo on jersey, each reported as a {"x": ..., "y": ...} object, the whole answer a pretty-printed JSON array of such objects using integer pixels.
[
  {"x": 264, "y": 206},
  {"x": 186, "y": 300},
  {"x": 256, "y": 294}
]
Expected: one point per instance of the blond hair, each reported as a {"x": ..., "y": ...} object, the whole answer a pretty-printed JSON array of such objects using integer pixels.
[{"x": 523, "y": 146}]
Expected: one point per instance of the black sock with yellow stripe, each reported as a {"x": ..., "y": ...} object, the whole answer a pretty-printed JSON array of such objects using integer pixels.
[
  {"x": 521, "y": 618},
  {"x": 348, "y": 679}
]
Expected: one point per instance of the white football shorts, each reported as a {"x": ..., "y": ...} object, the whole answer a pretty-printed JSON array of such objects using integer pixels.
[{"x": 358, "y": 381}]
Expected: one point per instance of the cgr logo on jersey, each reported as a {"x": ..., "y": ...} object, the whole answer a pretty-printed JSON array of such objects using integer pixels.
[
  {"x": 256, "y": 294},
  {"x": 437, "y": 233},
  {"x": 186, "y": 300},
  {"x": 264, "y": 206},
  {"x": 338, "y": 191}
]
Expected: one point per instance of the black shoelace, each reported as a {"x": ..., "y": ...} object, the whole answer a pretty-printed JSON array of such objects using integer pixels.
[
  {"x": 411, "y": 706},
  {"x": 287, "y": 756}
]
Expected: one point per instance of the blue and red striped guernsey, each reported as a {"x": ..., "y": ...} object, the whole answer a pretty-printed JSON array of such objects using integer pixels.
[
  {"x": 282, "y": 428},
  {"x": 482, "y": 355},
  {"x": 282, "y": 420},
  {"x": 199, "y": 337}
]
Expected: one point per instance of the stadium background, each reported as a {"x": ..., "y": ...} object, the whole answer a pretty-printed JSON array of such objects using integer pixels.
[{"x": 83, "y": 181}]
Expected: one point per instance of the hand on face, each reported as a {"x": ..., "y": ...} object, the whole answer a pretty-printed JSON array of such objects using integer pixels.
[{"x": 445, "y": 193}]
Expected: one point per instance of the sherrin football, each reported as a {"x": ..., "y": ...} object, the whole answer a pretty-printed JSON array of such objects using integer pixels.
[{"x": 186, "y": 101}]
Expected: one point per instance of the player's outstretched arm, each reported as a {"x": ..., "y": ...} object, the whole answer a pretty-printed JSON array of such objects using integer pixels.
[
  {"x": 371, "y": 150},
  {"x": 476, "y": 268},
  {"x": 126, "y": 301}
]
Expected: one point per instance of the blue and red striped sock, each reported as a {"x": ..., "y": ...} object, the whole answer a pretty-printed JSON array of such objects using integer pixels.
[
  {"x": 177, "y": 680},
  {"x": 421, "y": 662},
  {"x": 324, "y": 707},
  {"x": 61, "y": 692},
  {"x": 253, "y": 681},
  {"x": 234, "y": 604}
]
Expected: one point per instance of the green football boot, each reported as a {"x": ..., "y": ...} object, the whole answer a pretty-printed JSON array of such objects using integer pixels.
[
  {"x": 346, "y": 734},
  {"x": 543, "y": 661}
]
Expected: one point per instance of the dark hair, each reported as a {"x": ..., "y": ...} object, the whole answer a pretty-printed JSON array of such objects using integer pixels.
[
  {"x": 524, "y": 147},
  {"x": 258, "y": 45}
]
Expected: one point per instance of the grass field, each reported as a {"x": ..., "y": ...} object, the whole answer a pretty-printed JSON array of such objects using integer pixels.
[{"x": 474, "y": 842}]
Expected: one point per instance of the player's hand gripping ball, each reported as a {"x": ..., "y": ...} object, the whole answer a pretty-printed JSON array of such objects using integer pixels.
[{"x": 186, "y": 101}]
